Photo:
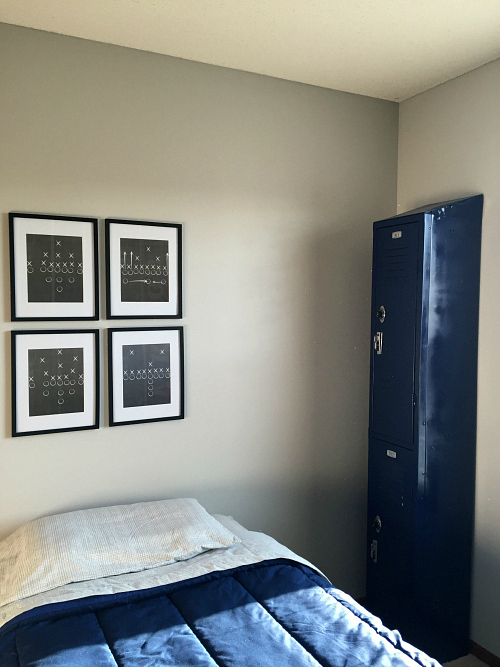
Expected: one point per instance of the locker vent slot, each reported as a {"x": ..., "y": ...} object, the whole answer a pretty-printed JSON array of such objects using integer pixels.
[{"x": 394, "y": 262}]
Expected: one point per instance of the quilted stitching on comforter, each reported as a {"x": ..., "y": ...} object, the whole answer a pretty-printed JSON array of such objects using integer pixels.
[{"x": 275, "y": 613}]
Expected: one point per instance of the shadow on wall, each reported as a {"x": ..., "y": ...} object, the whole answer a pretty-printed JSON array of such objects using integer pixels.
[
  {"x": 323, "y": 516},
  {"x": 341, "y": 403}
]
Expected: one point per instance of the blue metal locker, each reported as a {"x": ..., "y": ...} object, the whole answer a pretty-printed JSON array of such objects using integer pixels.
[{"x": 422, "y": 429}]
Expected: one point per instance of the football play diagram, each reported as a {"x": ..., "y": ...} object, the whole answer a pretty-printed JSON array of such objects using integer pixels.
[
  {"x": 146, "y": 374},
  {"x": 56, "y": 381},
  {"x": 144, "y": 267},
  {"x": 54, "y": 268}
]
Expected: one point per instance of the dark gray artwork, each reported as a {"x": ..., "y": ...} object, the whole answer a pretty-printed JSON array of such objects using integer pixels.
[
  {"x": 55, "y": 268},
  {"x": 55, "y": 381},
  {"x": 144, "y": 270},
  {"x": 146, "y": 375}
]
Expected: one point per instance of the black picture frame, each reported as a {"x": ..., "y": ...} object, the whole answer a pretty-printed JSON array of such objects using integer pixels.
[
  {"x": 55, "y": 380},
  {"x": 53, "y": 267},
  {"x": 143, "y": 269},
  {"x": 146, "y": 374}
]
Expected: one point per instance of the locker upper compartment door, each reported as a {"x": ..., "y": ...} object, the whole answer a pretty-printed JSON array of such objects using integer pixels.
[{"x": 396, "y": 260}]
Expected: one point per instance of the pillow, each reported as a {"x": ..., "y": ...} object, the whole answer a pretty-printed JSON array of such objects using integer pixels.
[{"x": 89, "y": 544}]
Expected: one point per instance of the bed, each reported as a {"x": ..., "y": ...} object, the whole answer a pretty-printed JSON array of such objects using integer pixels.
[{"x": 167, "y": 584}]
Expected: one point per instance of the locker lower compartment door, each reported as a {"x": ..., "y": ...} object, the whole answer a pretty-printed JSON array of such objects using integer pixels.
[
  {"x": 392, "y": 590},
  {"x": 390, "y": 527}
]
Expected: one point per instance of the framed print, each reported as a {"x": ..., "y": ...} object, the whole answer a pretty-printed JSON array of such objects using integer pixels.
[
  {"x": 146, "y": 375},
  {"x": 143, "y": 269},
  {"x": 53, "y": 267},
  {"x": 55, "y": 381}
]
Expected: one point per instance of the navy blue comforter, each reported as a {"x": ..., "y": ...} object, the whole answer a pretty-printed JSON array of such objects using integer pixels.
[{"x": 271, "y": 614}]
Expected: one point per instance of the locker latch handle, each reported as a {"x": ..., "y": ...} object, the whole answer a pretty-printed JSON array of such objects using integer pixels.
[{"x": 377, "y": 342}]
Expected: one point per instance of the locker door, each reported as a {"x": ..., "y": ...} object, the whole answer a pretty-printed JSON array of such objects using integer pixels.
[
  {"x": 395, "y": 288},
  {"x": 390, "y": 521}
]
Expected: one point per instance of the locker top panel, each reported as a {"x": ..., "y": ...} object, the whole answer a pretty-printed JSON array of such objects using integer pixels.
[{"x": 443, "y": 208}]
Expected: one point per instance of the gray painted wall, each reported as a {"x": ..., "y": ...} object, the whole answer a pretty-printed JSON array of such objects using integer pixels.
[
  {"x": 450, "y": 147},
  {"x": 277, "y": 185}
]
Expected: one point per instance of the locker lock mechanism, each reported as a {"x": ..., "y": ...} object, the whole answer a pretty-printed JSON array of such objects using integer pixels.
[
  {"x": 377, "y": 524},
  {"x": 381, "y": 313}
]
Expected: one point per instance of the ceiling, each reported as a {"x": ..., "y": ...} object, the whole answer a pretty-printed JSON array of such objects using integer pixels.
[{"x": 391, "y": 49}]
